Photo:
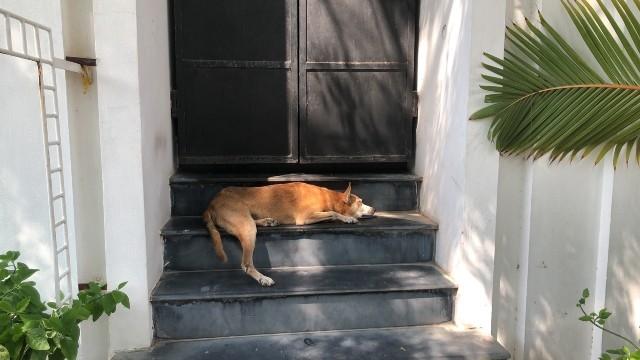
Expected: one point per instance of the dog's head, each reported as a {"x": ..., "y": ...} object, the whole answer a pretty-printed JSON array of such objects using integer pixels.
[{"x": 352, "y": 205}]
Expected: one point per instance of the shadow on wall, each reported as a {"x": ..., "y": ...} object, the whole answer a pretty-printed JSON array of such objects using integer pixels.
[
  {"x": 443, "y": 84},
  {"x": 443, "y": 74},
  {"x": 623, "y": 285}
]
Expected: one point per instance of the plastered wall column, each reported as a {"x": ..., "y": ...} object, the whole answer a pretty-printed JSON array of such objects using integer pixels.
[
  {"x": 86, "y": 167},
  {"x": 132, "y": 48},
  {"x": 460, "y": 168},
  {"x": 115, "y": 26}
]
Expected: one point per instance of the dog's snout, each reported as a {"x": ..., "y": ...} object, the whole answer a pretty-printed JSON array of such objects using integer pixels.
[{"x": 369, "y": 210}]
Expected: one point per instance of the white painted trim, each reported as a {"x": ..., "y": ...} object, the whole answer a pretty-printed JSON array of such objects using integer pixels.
[
  {"x": 523, "y": 261},
  {"x": 602, "y": 260},
  {"x": 67, "y": 65}
]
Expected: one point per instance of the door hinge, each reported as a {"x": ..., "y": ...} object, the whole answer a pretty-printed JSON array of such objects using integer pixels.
[
  {"x": 414, "y": 103},
  {"x": 174, "y": 103}
]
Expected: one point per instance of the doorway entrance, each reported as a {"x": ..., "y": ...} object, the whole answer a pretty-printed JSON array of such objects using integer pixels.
[{"x": 294, "y": 81}]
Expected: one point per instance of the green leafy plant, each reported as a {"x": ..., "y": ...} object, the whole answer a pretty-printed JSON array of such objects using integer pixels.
[
  {"x": 546, "y": 99},
  {"x": 31, "y": 330},
  {"x": 630, "y": 351}
]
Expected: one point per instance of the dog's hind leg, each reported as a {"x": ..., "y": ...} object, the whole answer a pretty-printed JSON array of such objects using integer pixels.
[
  {"x": 248, "y": 242},
  {"x": 244, "y": 228}
]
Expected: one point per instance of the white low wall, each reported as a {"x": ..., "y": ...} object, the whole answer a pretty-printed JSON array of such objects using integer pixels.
[
  {"x": 561, "y": 229},
  {"x": 623, "y": 272},
  {"x": 557, "y": 229}
]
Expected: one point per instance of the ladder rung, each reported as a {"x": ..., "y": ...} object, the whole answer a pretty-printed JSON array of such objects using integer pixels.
[
  {"x": 58, "y": 169},
  {"x": 49, "y": 87},
  {"x": 59, "y": 196},
  {"x": 64, "y": 273},
  {"x": 62, "y": 248},
  {"x": 52, "y": 115},
  {"x": 59, "y": 223},
  {"x": 52, "y": 143}
]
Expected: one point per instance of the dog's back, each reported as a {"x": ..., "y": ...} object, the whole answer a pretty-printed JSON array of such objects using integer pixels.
[{"x": 284, "y": 202}]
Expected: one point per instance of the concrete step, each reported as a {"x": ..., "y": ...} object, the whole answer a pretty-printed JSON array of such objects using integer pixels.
[
  {"x": 206, "y": 304},
  {"x": 191, "y": 193},
  {"x": 394, "y": 237},
  {"x": 403, "y": 343}
]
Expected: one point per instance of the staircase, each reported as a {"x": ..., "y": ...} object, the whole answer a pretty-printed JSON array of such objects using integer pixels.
[{"x": 343, "y": 291}]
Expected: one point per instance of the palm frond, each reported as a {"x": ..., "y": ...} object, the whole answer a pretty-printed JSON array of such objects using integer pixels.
[{"x": 545, "y": 99}]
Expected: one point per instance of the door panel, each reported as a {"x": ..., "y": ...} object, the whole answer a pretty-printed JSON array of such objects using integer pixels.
[
  {"x": 235, "y": 29},
  {"x": 356, "y": 74},
  {"x": 231, "y": 127},
  {"x": 357, "y": 30},
  {"x": 236, "y": 81},
  {"x": 354, "y": 114}
]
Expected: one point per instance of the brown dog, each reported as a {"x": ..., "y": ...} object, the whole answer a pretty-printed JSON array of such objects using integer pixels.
[{"x": 239, "y": 209}]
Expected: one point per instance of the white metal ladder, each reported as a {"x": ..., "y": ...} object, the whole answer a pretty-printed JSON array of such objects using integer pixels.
[{"x": 33, "y": 47}]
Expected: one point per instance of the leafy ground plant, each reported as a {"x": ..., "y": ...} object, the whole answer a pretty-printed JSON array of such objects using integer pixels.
[
  {"x": 629, "y": 351},
  {"x": 32, "y": 330}
]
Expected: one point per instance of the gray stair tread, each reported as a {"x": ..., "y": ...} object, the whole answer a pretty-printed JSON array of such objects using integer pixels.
[
  {"x": 403, "y": 343},
  {"x": 234, "y": 284},
  {"x": 182, "y": 225},
  {"x": 183, "y": 177}
]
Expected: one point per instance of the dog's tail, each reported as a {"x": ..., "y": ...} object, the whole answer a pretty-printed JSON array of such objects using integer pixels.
[{"x": 210, "y": 219}]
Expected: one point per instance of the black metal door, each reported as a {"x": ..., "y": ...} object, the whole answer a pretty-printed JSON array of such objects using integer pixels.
[
  {"x": 356, "y": 80},
  {"x": 287, "y": 81},
  {"x": 236, "y": 81}
]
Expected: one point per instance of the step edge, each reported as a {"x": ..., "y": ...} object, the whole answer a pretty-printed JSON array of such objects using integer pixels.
[
  {"x": 159, "y": 341},
  {"x": 448, "y": 285},
  {"x": 501, "y": 354},
  {"x": 428, "y": 224},
  {"x": 291, "y": 230},
  {"x": 182, "y": 178},
  {"x": 282, "y": 295}
]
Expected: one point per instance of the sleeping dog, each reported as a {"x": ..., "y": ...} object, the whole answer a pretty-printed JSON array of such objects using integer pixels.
[{"x": 239, "y": 209}]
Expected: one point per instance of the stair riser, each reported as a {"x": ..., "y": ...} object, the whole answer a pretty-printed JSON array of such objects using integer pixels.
[
  {"x": 192, "y": 199},
  {"x": 195, "y": 252},
  {"x": 300, "y": 313}
]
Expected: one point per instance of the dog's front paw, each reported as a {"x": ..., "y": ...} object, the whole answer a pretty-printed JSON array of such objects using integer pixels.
[
  {"x": 349, "y": 220},
  {"x": 266, "y": 281},
  {"x": 271, "y": 222}
]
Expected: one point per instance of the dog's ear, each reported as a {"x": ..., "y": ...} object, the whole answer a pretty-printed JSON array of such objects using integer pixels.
[{"x": 347, "y": 193}]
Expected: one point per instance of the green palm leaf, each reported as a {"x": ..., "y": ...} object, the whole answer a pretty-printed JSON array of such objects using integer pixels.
[{"x": 545, "y": 99}]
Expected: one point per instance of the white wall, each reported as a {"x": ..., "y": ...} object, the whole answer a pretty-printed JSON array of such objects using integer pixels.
[
  {"x": 623, "y": 276},
  {"x": 459, "y": 167},
  {"x": 86, "y": 168},
  {"x": 155, "y": 110},
  {"x": 135, "y": 141},
  {"x": 24, "y": 198},
  {"x": 559, "y": 228},
  {"x": 24, "y": 206}
]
